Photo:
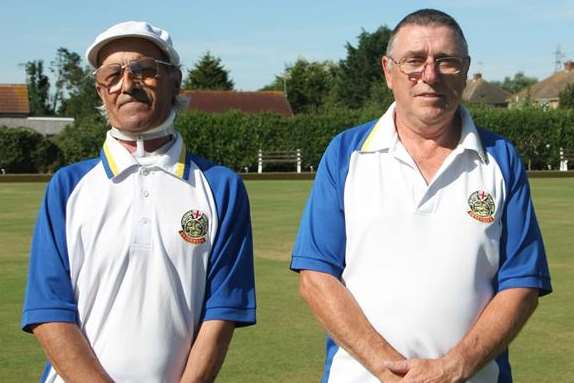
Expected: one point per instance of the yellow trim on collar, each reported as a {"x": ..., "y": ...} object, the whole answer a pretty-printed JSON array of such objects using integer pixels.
[
  {"x": 180, "y": 167},
  {"x": 365, "y": 147},
  {"x": 111, "y": 162}
]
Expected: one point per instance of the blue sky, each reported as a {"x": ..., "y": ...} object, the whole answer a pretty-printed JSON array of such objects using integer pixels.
[{"x": 256, "y": 39}]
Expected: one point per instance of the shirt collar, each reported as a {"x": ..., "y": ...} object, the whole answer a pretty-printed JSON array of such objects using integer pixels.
[
  {"x": 117, "y": 159},
  {"x": 469, "y": 137},
  {"x": 383, "y": 135}
]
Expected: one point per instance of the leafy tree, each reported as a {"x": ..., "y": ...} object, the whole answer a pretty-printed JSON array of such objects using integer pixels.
[
  {"x": 306, "y": 83},
  {"x": 38, "y": 88},
  {"x": 75, "y": 94},
  {"x": 82, "y": 102},
  {"x": 208, "y": 73},
  {"x": 361, "y": 69},
  {"x": 83, "y": 139},
  {"x": 566, "y": 97},
  {"x": 68, "y": 72},
  {"x": 517, "y": 83}
]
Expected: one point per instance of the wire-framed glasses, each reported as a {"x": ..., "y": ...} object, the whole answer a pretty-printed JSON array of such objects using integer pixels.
[
  {"x": 414, "y": 66},
  {"x": 145, "y": 69}
]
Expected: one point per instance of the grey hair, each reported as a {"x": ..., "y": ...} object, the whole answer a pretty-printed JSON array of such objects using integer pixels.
[{"x": 426, "y": 17}]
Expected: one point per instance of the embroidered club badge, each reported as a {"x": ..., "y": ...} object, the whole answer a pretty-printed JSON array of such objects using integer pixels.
[
  {"x": 481, "y": 206},
  {"x": 194, "y": 224}
]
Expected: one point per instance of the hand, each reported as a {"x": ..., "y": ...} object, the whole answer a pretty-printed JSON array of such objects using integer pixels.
[
  {"x": 390, "y": 377},
  {"x": 440, "y": 370}
]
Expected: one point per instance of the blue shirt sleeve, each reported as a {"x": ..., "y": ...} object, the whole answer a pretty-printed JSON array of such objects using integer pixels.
[
  {"x": 321, "y": 240},
  {"x": 49, "y": 293},
  {"x": 230, "y": 290},
  {"x": 522, "y": 256}
]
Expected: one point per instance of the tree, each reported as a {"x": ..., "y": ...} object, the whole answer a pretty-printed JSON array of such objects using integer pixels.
[
  {"x": 306, "y": 83},
  {"x": 566, "y": 97},
  {"x": 361, "y": 69},
  {"x": 75, "y": 94},
  {"x": 38, "y": 88},
  {"x": 208, "y": 73},
  {"x": 69, "y": 74},
  {"x": 517, "y": 83}
]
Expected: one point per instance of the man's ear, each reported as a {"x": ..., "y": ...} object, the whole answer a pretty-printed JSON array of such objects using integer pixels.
[
  {"x": 99, "y": 90},
  {"x": 176, "y": 77},
  {"x": 386, "y": 66},
  {"x": 467, "y": 68}
]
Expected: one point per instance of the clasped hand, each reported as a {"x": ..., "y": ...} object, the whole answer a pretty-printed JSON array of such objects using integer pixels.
[{"x": 440, "y": 370}]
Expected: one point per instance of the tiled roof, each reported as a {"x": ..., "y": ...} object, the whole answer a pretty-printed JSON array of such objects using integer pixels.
[
  {"x": 481, "y": 91},
  {"x": 550, "y": 87},
  {"x": 14, "y": 99},
  {"x": 214, "y": 101}
]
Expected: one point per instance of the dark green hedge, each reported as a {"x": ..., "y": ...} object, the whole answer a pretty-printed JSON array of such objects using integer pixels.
[
  {"x": 25, "y": 151},
  {"x": 536, "y": 133},
  {"x": 233, "y": 138}
]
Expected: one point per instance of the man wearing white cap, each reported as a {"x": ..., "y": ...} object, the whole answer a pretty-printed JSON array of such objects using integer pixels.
[{"x": 141, "y": 263}]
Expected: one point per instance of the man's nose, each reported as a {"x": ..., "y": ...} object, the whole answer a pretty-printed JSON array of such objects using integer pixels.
[
  {"x": 127, "y": 81},
  {"x": 430, "y": 72}
]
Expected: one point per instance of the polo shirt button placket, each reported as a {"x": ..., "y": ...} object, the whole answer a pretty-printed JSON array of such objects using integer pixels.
[
  {"x": 144, "y": 228},
  {"x": 145, "y": 172}
]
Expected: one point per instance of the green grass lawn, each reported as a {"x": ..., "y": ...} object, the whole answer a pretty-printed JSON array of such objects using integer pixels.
[{"x": 287, "y": 344}]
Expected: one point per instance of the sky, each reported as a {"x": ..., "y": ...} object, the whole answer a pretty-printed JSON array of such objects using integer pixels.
[{"x": 257, "y": 39}]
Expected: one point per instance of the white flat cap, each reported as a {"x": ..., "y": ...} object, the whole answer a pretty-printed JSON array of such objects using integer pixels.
[{"x": 139, "y": 29}]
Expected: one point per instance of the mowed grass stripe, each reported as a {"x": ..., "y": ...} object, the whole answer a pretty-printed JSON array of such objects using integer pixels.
[{"x": 287, "y": 344}]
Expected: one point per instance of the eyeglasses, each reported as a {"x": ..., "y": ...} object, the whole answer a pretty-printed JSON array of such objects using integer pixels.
[
  {"x": 414, "y": 66},
  {"x": 110, "y": 76}
]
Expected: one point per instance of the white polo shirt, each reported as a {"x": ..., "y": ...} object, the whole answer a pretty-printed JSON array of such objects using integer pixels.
[
  {"x": 421, "y": 260},
  {"x": 138, "y": 256}
]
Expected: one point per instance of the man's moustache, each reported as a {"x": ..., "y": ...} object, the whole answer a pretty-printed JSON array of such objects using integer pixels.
[{"x": 133, "y": 95}]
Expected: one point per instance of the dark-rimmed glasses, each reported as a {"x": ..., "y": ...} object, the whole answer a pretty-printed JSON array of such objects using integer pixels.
[
  {"x": 448, "y": 65},
  {"x": 144, "y": 70}
]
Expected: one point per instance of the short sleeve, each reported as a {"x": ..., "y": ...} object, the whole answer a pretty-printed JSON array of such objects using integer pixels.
[
  {"x": 522, "y": 256},
  {"x": 321, "y": 240},
  {"x": 230, "y": 290},
  {"x": 49, "y": 293}
]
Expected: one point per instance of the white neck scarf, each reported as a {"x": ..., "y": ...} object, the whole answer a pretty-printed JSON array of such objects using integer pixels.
[{"x": 165, "y": 129}]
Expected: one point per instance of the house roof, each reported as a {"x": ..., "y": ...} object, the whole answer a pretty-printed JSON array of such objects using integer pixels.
[
  {"x": 216, "y": 101},
  {"x": 14, "y": 99},
  {"x": 550, "y": 87},
  {"x": 478, "y": 90}
]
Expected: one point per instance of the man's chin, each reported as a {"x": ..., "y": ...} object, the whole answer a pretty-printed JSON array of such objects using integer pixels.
[
  {"x": 134, "y": 124},
  {"x": 432, "y": 114}
]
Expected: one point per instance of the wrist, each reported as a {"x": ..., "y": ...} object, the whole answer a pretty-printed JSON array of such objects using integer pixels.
[{"x": 458, "y": 366}]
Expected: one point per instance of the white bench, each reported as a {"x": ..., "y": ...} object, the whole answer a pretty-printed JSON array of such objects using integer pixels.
[
  {"x": 279, "y": 157},
  {"x": 566, "y": 155}
]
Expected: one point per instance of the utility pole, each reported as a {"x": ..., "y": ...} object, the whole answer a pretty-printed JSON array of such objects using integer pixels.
[{"x": 558, "y": 56}]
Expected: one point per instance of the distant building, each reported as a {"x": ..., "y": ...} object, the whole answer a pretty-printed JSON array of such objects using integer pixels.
[
  {"x": 547, "y": 91},
  {"x": 480, "y": 91},
  {"x": 216, "y": 101},
  {"x": 14, "y": 100},
  {"x": 15, "y": 112}
]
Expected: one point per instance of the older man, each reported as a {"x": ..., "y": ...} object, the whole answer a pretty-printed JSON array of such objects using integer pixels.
[
  {"x": 419, "y": 251},
  {"x": 141, "y": 263}
]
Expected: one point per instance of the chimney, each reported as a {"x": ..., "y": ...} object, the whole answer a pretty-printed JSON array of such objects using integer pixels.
[
  {"x": 477, "y": 76},
  {"x": 568, "y": 65}
]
